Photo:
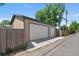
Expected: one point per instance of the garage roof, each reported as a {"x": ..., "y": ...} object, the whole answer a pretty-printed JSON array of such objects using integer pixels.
[{"x": 25, "y": 17}]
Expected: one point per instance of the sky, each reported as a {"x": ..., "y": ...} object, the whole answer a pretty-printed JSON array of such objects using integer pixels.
[{"x": 29, "y": 9}]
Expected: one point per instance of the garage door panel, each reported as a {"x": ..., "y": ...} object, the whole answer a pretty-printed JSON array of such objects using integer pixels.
[{"x": 38, "y": 32}]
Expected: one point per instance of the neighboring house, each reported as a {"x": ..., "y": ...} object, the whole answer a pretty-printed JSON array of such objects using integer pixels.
[{"x": 34, "y": 29}]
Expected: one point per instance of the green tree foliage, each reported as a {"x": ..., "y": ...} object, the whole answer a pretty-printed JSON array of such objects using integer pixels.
[
  {"x": 1, "y": 4},
  {"x": 4, "y": 23},
  {"x": 51, "y": 14},
  {"x": 64, "y": 27},
  {"x": 74, "y": 26}
]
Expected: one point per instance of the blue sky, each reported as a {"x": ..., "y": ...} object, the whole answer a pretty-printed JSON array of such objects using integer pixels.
[{"x": 27, "y": 9}]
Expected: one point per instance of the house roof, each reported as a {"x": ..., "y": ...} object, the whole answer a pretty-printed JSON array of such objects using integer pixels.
[{"x": 25, "y": 17}]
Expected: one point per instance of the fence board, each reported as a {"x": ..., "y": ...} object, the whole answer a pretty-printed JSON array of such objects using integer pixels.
[{"x": 10, "y": 38}]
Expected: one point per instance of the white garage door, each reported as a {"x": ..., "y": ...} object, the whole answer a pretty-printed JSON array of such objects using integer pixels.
[{"x": 38, "y": 32}]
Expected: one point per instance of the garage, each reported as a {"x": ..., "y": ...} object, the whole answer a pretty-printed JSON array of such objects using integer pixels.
[{"x": 34, "y": 29}]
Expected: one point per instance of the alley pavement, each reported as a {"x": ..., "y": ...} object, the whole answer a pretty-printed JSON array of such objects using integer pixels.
[{"x": 69, "y": 46}]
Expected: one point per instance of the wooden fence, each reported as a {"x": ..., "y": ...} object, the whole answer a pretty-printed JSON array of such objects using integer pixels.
[{"x": 10, "y": 38}]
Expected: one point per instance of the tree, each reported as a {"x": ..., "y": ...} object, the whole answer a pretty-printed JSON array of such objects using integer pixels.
[
  {"x": 51, "y": 14},
  {"x": 73, "y": 27},
  {"x": 1, "y": 4},
  {"x": 4, "y": 23},
  {"x": 64, "y": 27},
  {"x": 66, "y": 12}
]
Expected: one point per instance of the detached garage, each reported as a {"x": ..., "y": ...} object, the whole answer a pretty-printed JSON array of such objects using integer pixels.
[{"x": 33, "y": 28}]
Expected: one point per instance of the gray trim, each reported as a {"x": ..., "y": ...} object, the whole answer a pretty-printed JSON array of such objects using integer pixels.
[
  {"x": 24, "y": 22},
  {"x": 28, "y": 31}
]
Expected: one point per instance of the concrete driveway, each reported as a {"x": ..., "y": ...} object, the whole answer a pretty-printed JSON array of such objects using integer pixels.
[{"x": 69, "y": 46}]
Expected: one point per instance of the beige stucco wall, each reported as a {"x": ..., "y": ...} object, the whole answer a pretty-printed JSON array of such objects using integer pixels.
[
  {"x": 38, "y": 32},
  {"x": 18, "y": 23}
]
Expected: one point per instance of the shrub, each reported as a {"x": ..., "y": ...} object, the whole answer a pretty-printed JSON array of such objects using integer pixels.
[
  {"x": 65, "y": 32},
  {"x": 8, "y": 51},
  {"x": 2, "y": 53},
  {"x": 22, "y": 46}
]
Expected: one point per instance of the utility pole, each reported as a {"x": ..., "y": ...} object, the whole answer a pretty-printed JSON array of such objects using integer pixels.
[{"x": 66, "y": 12}]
